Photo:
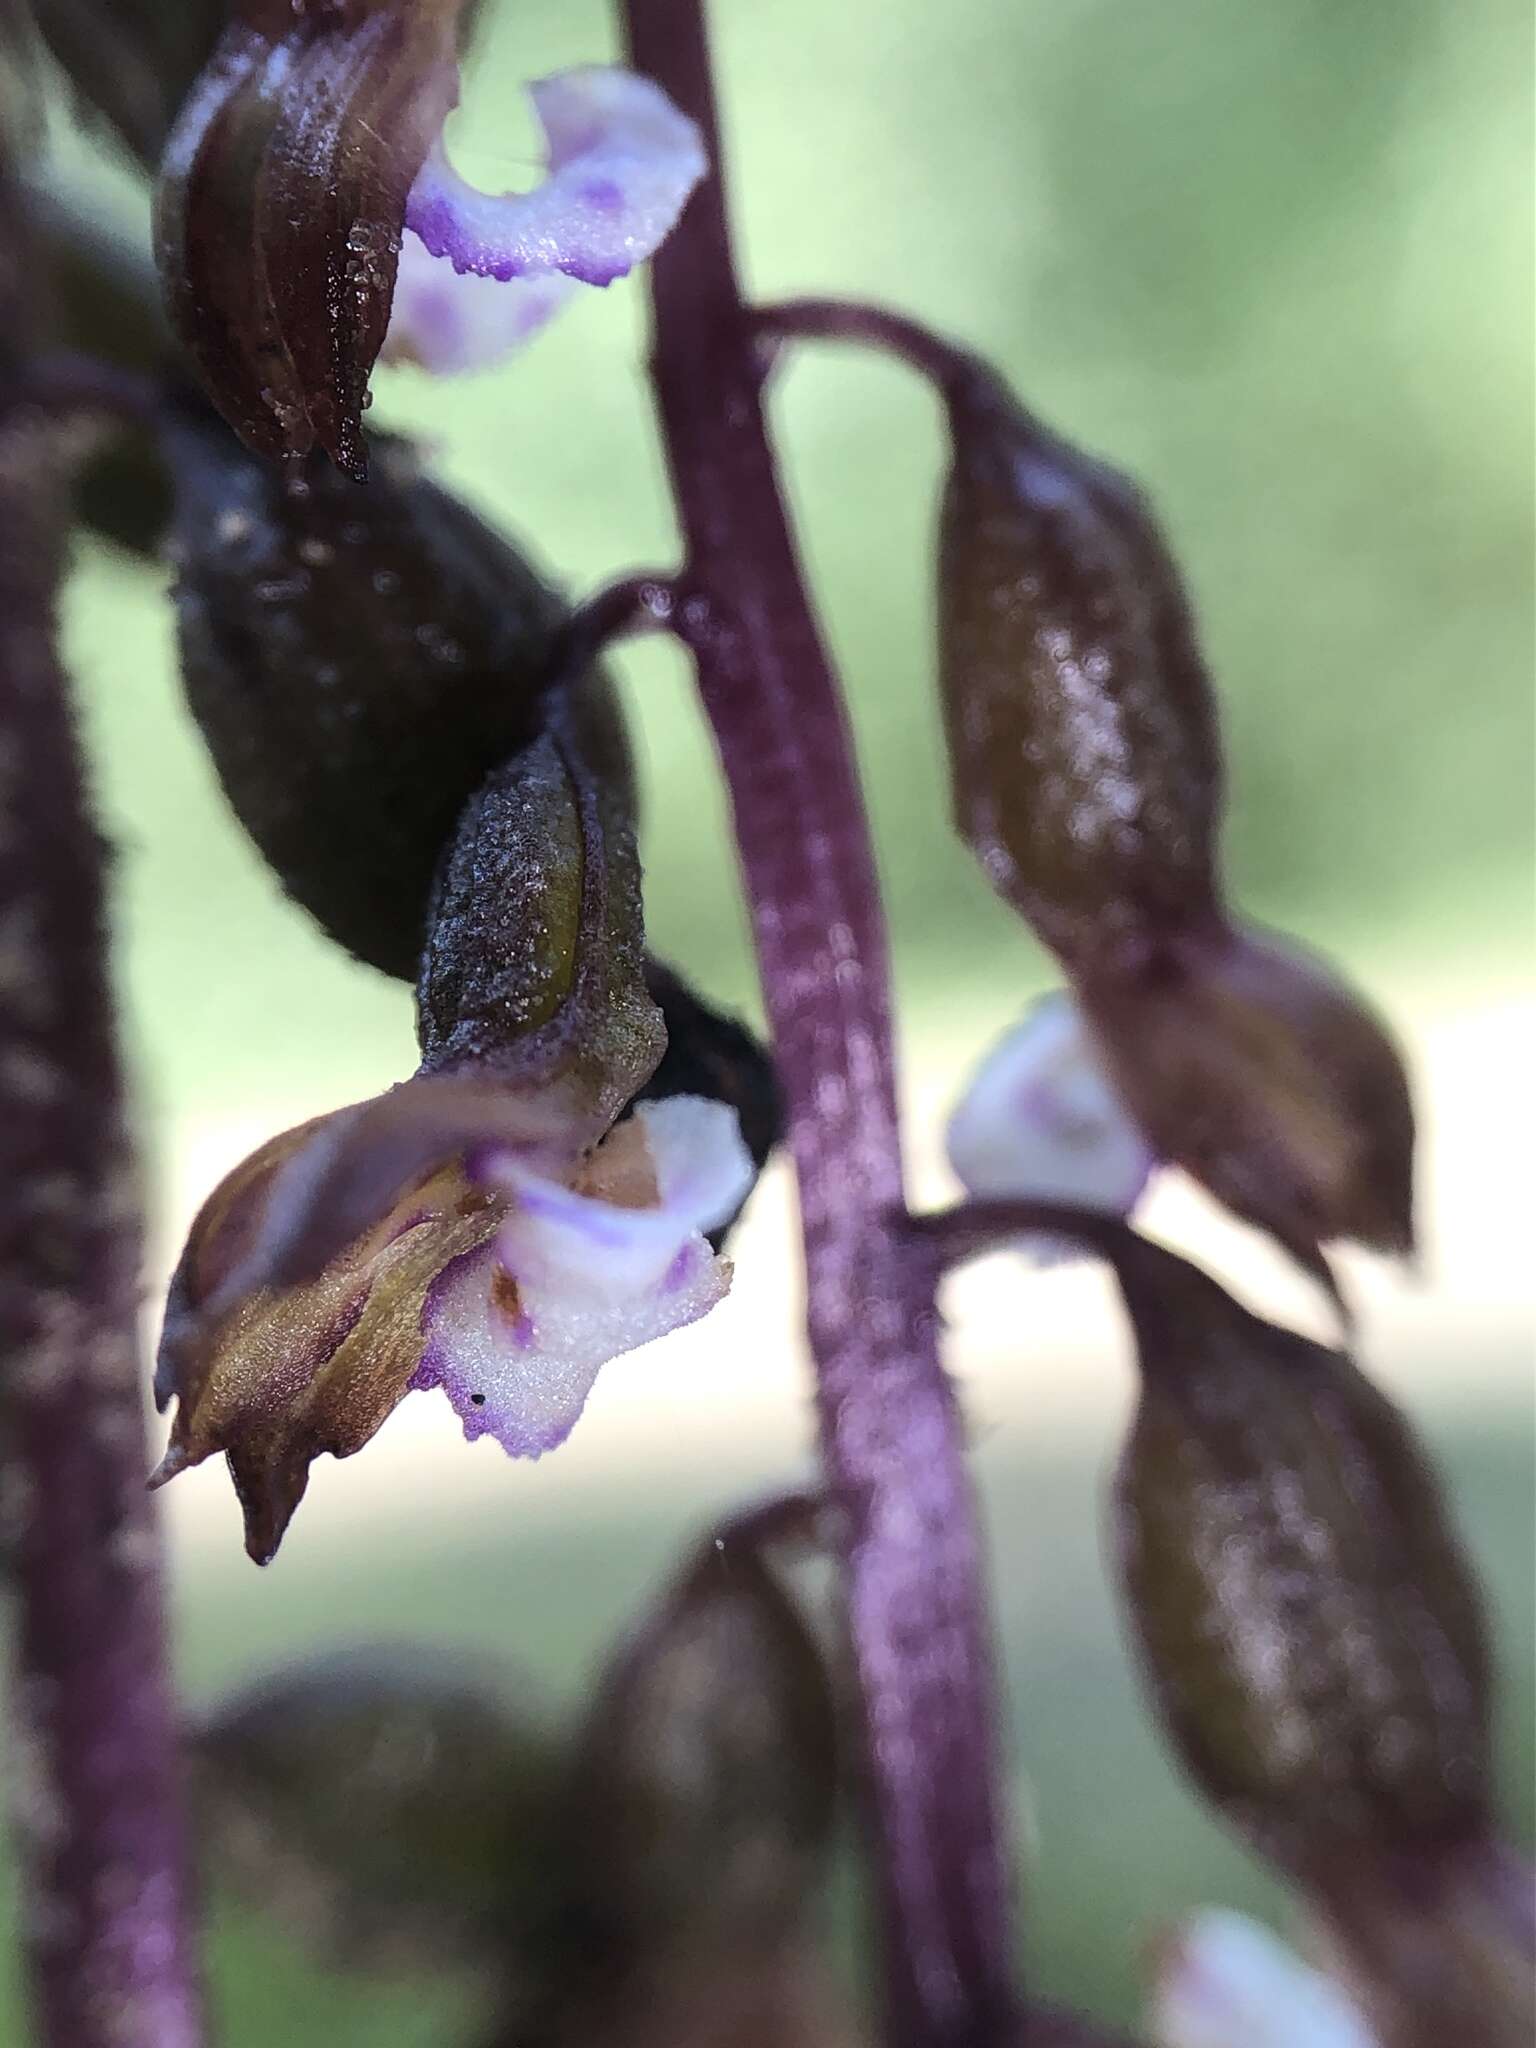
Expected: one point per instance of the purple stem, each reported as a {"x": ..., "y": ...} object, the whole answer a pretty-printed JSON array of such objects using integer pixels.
[
  {"x": 893, "y": 1441},
  {"x": 97, "y": 1818}
]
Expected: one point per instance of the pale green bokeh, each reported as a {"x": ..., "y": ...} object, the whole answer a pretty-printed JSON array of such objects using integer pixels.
[{"x": 1275, "y": 260}]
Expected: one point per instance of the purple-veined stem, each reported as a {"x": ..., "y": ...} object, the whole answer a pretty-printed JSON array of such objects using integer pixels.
[
  {"x": 91, "y": 1737},
  {"x": 892, "y": 1437}
]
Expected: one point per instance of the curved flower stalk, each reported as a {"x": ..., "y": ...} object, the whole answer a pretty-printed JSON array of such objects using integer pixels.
[{"x": 304, "y": 149}]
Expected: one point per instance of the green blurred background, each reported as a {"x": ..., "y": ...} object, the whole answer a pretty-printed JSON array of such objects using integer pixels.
[{"x": 1276, "y": 261}]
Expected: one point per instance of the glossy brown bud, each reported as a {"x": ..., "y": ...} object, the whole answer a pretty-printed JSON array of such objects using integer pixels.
[
  {"x": 1248, "y": 1064},
  {"x": 1308, "y": 1623},
  {"x": 705, "y": 1778},
  {"x": 1082, "y": 741},
  {"x": 358, "y": 660},
  {"x": 388, "y": 1807},
  {"x": 281, "y": 202}
]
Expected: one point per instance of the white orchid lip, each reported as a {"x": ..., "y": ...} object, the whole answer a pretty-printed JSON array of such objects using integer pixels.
[
  {"x": 622, "y": 161},
  {"x": 1039, "y": 1120},
  {"x": 1223, "y": 1981},
  {"x": 448, "y": 323},
  {"x": 518, "y": 1330}
]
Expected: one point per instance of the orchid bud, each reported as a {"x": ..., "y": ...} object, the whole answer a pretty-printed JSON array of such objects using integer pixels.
[
  {"x": 1222, "y": 1981},
  {"x": 358, "y": 659},
  {"x": 1082, "y": 739},
  {"x": 1307, "y": 1620},
  {"x": 309, "y": 141},
  {"x": 1250, "y": 1066},
  {"x": 386, "y": 1809},
  {"x": 705, "y": 1778}
]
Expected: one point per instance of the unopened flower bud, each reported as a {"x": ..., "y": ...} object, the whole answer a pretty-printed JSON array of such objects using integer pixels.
[
  {"x": 1307, "y": 1620},
  {"x": 358, "y": 660},
  {"x": 1253, "y": 1068},
  {"x": 706, "y": 1775},
  {"x": 1082, "y": 739}
]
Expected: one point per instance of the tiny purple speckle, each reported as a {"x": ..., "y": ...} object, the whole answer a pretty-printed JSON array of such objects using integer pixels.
[{"x": 602, "y": 195}]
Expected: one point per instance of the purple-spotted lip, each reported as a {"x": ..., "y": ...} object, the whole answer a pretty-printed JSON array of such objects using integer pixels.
[{"x": 622, "y": 161}]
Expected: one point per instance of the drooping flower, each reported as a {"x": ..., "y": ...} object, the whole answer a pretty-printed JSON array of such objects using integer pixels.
[
  {"x": 1223, "y": 1981},
  {"x": 1040, "y": 1121},
  {"x": 506, "y": 1284},
  {"x": 1087, "y": 779}
]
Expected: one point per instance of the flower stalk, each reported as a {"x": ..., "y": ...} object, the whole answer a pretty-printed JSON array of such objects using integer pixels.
[{"x": 891, "y": 1432}]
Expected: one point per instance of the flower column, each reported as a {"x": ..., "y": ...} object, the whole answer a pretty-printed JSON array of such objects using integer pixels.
[{"x": 892, "y": 1436}]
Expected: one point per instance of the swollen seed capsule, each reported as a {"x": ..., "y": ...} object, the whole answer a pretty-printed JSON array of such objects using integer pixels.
[
  {"x": 1308, "y": 1623},
  {"x": 1082, "y": 740},
  {"x": 359, "y": 659},
  {"x": 706, "y": 1775}
]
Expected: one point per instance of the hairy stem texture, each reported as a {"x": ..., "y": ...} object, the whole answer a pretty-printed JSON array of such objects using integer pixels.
[
  {"x": 892, "y": 1437},
  {"x": 91, "y": 1742}
]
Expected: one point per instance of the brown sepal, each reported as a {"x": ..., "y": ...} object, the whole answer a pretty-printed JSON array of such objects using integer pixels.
[{"x": 1248, "y": 1064}]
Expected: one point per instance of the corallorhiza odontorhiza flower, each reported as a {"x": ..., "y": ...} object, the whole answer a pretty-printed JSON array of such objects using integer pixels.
[{"x": 427, "y": 745}]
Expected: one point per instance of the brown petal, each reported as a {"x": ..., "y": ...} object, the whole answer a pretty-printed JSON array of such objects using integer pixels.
[
  {"x": 281, "y": 203},
  {"x": 1307, "y": 1620},
  {"x": 1249, "y": 1065},
  {"x": 1082, "y": 738},
  {"x": 274, "y": 1374}
]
